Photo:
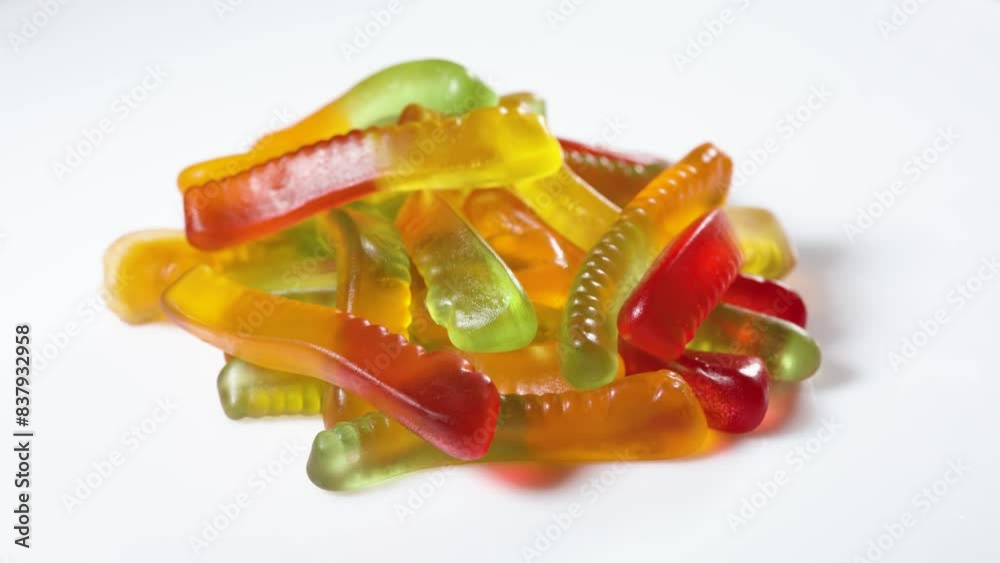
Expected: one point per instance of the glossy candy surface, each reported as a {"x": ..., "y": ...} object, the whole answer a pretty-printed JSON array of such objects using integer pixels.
[
  {"x": 732, "y": 390},
  {"x": 246, "y": 390},
  {"x": 612, "y": 269},
  {"x": 543, "y": 261},
  {"x": 436, "y": 394},
  {"x": 681, "y": 288},
  {"x": 790, "y": 353},
  {"x": 564, "y": 303},
  {"x": 569, "y": 205},
  {"x": 768, "y": 297},
  {"x": 470, "y": 291},
  {"x": 532, "y": 370},
  {"x": 486, "y": 147},
  {"x": 423, "y": 330},
  {"x": 373, "y": 281},
  {"x": 767, "y": 251},
  {"x": 616, "y": 175},
  {"x": 140, "y": 265},
  {"x": 373, "y": 270},
  {"x": 642, "y": 417},
  {"x": 340, "y": 405},
  {"x": 440, "y": 85},
  {"x": 576, "y": 207},
  {"x": 526, "y": 100}
]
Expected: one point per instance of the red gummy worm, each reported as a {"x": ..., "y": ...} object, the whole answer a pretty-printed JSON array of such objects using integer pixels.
[
  {"x": 768, "y": 297},
  {"x": 281, "y": 192},
  {"x": 732, "y": 389},
  {"x": 680, "y": 289}
]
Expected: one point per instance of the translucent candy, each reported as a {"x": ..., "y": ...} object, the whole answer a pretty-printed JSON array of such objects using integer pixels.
[
  {"x": 612, "y": 269},
  {"x": 140, "y": 265},
  {"x": 246, "y": 390},
  {"x": 470, "y": 291},
  {"x": 436, "y": 394},
  {"x": 616, "y": 175},
  {"x": 439, "y": 85},
  {"x": 768, "y": 297},
  {"x": 732, "y": 390},
  {"x": 543, "y": 261},
  {"x": 373, "y": 270},
  {"x": 569, "y": 205},
  {"x": 767, "y": 252},
  {"x": 681, "y": 288},
  {"x": 524, "y": 101},
  {"x": 486, "y": 147},
  {"x": 790, "y": 353},
  {"x": 642, "y": 417}
]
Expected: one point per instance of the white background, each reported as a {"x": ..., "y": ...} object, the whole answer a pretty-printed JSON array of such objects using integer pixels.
[{"x": 228, "y": 75}]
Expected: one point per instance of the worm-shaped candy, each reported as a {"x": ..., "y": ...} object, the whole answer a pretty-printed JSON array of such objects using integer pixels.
[
  {"x": 569, "y": 205},
  {"x": 790, "y": 353},
  {"x": 373, "y": 282},
  {"x": 246, "y": 390},
  {"x": 732, "y": 389},
  {"x": 543, "y": 261},
  {"x": 611, "y": 270},
  {"x": 643, "y": 417},
  {"x": 576, "y": 208},
  {"x": 532, "y": 370},
  {"x": 767, "y": 252},
  {"x": 140, "y": 265},
  {"x": 681, "y": 288},
  {"x": 436, "y": 394},
  {"x": 616, "y": 175},
  {"x": 486, "y": 147},
  {"x": 768, "y": 297},
  {"x": 373, "y": 270},
  {"x": 470, "y": 291},
  {"x": 440, "y": 85}
]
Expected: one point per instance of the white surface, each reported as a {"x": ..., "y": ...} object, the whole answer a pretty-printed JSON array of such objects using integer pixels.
[{"x": 226, "y": 79}]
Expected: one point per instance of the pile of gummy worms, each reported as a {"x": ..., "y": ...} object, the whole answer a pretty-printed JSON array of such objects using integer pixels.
[{"x": 423, "y": 263}]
